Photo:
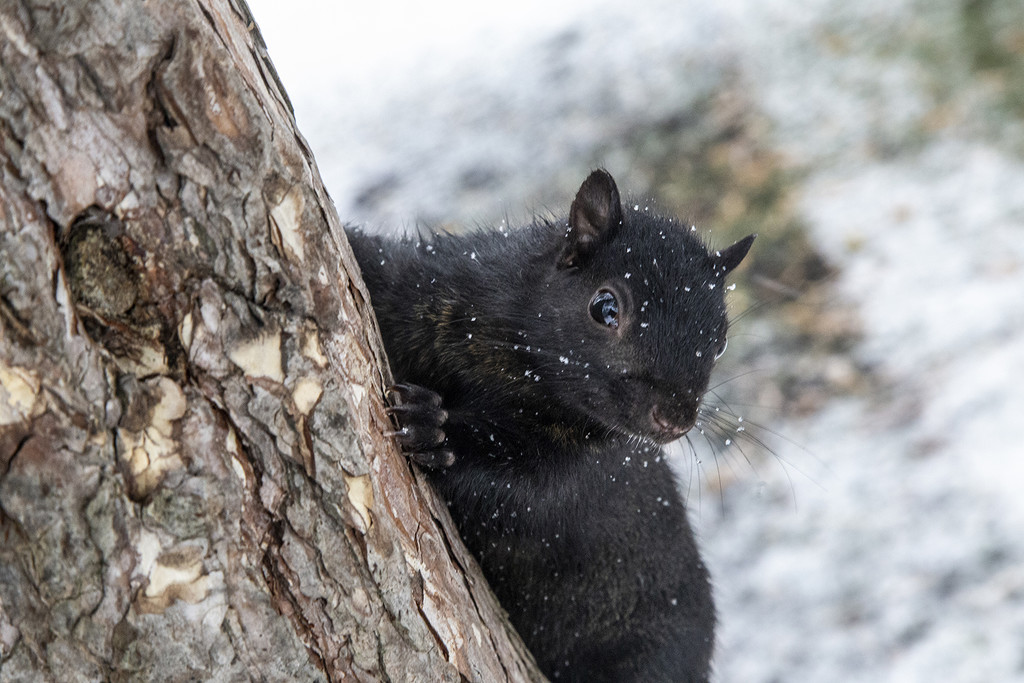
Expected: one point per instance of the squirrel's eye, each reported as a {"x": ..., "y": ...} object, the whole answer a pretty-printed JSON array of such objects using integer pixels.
[
  {"x": 721, "y": 349},
  {"x": 604, "y": 308}
]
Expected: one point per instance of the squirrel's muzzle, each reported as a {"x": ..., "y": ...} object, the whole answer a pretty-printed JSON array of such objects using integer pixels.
[{"x": 669, "y": 425}]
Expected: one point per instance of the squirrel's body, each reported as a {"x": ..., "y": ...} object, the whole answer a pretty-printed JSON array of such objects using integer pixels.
[{"x": 541, "y": 369}]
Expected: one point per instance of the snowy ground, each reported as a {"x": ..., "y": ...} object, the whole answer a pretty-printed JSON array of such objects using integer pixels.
[{"x": 886, "y": 542}]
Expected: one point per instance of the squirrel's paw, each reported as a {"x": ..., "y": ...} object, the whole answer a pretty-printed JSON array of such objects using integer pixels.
[{"x": 420, "y": 420}]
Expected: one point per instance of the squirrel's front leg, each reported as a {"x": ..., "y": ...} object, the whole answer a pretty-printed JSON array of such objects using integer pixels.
[{"x": 421, "y": 417}]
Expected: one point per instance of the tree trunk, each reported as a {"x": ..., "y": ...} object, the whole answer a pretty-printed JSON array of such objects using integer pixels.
[{"x": 193, "y": 478}]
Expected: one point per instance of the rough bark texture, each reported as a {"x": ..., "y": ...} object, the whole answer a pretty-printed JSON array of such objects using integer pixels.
[{"x": 193, "y": 481}]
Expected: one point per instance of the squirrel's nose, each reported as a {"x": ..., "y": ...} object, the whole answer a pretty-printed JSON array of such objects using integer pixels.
[{"x": 670, "y": 427}]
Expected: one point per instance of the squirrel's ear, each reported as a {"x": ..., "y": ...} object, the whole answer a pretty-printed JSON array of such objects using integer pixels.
[
  {"x": 595, "y": 215},
  {"x": 730, "y": 257}
]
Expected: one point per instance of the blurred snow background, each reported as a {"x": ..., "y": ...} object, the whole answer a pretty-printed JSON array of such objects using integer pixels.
[{"x": 878, "y": 149}]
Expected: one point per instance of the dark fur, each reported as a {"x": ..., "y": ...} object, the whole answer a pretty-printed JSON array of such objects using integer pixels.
[{"x": 544, "y": 438}]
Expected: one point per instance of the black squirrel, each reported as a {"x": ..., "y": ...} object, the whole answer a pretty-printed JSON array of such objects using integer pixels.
[{"x": 539, "y": 371}]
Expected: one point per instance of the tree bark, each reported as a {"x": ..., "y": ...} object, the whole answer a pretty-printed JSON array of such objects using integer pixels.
[{"x": 193, "y": 478}]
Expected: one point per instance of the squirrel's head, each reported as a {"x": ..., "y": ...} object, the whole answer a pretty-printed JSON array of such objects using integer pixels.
[{"x": 650, "y": 301}]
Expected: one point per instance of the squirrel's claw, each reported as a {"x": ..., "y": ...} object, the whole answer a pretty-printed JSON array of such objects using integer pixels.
[
  {"x": 441, "y": 457},
  {"x": 412, "y": 394},
  {"x": 418, "y": 413},
  {"x": 420, "y": 418}
]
